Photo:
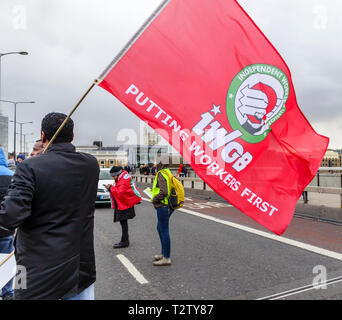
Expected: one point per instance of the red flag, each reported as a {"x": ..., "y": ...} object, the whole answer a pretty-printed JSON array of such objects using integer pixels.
[{"x": 207, "y": 79}]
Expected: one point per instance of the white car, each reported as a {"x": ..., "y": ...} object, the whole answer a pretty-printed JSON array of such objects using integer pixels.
[{"x": 103, "y": 195}]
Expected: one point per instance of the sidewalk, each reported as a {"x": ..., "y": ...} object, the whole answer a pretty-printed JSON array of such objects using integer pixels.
[{"x": 323, "y": 199}]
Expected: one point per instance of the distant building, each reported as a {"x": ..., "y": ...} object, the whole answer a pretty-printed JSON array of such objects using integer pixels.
[
  {"x": 107, "y": 157},
  {"x": 154, "y": 142},
  {"x": 339, "y": 151},
  {"x": 331, "y": 159},
  {"x": 4, "y": 134},
  {"x": 150, "y": 137},
  {"x": 141, "y": 154}
]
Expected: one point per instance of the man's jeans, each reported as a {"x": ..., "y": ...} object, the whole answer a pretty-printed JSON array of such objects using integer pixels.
[
  {"x": 87, "y": 294},
  {"x": 7, "y": 246}
]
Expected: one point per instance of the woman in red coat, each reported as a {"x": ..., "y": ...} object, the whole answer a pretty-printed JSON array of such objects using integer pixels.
[
  {"x": 125, "y": 196},
  {"x": 180, "y": 170}
]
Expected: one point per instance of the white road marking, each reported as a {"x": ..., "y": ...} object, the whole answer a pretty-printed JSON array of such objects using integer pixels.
[
  {"x": 132, "y": 269},
  {"x": 292, "y": 292},
  {"x": 294, "y": 243}
]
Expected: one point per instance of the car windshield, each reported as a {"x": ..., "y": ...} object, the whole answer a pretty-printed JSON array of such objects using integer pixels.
[{"x": 105, "y": 175}]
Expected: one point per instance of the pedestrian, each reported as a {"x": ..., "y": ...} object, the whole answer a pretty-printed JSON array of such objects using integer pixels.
[
  {"x": 124, "y": 196},
  {"x": 184, "y": 171},
  {"x": 127, "y": 168},
  {"x": 51, "y": 202},
  {"x": 160, "y": 199},
  {"x": 11, "y": 162},
  {"x": 6, "y": 237},
  {"x": 146, "y": 170},
  {"x": 154, "y": 169},
  {"x": 38, "y": 148},
  {"x": 20, "y": 158},
  {"x": 180, "y": 171}
]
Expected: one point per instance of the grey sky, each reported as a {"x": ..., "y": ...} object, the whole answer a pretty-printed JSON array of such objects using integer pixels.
[{"x": 71, "y": 41}]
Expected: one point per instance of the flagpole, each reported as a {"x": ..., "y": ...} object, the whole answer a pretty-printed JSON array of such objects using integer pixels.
[
  {"x": 69, "y": 116},
  {"x": 7, "y": 258}
]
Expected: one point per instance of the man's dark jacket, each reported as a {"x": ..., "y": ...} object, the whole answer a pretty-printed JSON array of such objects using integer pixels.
[
  {"x": 5, "y": 180},
  {"x": 52, "y": 202}
]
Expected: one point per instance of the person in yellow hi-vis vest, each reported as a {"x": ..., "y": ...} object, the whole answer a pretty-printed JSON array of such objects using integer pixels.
[{"x": 160, "y": 198}]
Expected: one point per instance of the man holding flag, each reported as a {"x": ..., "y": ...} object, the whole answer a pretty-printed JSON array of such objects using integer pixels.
[{"x": 51, "y": 203}]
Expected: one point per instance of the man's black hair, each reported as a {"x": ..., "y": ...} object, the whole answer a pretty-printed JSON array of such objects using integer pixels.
[{"x": 52, "y": 122}]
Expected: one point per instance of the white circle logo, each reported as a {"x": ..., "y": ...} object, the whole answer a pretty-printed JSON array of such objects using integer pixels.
[{"x": 256, "y": 99}]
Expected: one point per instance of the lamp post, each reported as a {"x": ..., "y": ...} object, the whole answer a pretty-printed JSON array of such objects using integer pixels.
[
  {"x": 27, "y": 145},
  {"x": 23, "y": 53},
  {"x": 15, "y": 119},
  {"x": 26, "y": 134},
  {"x": 21, "y": 132}
]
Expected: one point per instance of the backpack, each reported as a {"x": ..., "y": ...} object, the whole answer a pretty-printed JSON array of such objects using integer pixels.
[{"x": 176, "y": 199}]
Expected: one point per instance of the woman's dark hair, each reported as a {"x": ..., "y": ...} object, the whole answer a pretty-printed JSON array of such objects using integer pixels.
[{"x": 52, "y": 122}]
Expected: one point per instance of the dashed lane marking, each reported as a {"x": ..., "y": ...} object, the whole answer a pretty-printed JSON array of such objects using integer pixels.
[{"x": 132, "y": 269}]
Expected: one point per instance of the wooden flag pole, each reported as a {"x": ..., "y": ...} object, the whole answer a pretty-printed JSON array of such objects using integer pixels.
[
  {"x": 7, "y": 258},
  {"x": 69, "y": 116}
]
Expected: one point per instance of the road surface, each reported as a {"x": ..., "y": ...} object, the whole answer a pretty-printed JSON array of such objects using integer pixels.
[{"x": 218, "y": 253}]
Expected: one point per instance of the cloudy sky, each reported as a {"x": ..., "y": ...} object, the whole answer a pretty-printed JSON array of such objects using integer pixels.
[{"x": 70, "y": 42}]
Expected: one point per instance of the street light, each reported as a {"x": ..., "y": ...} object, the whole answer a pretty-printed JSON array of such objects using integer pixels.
[
  {"x": 21, "y": 132},
  {"x": 27, "y": 146},
  {"x": 26, "y": 134},
  {"x": 15, "y": 119},
  {"x": 23, "y": 53}
]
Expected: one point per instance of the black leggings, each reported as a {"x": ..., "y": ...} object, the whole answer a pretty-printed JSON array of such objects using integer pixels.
[{"x": 124, "y": 227}]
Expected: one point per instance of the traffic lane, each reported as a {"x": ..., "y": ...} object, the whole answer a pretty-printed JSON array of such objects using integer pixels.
[
  {"x": 318, "y": 288},
  {"x": 328, "y": 292},
  {"x": 210, "y": 260},
  {"x": 113, "y": 282},
  {"x": 317, "y": 233}
]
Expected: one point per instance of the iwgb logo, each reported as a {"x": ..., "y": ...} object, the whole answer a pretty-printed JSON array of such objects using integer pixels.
[{"x": 256, "y": 99}]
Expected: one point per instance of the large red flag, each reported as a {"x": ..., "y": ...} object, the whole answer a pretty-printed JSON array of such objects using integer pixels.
[{"x": 206, "y": 78}]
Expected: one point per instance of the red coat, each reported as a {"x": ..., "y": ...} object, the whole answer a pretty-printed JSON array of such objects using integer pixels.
[{"x": 125, "y": 192}]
